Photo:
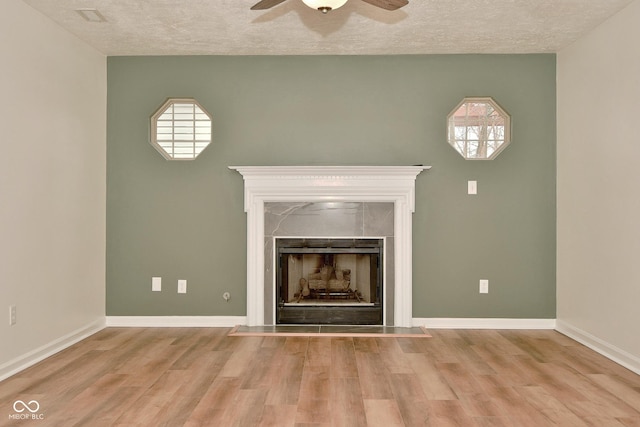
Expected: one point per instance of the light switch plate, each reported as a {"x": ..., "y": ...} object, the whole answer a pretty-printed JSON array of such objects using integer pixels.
[
  {"x": 472, "y": 187},
  {"x": 484, "y": 286},
  {"x": 182, "y": 286},
  {"x": 156, "y": 284}
]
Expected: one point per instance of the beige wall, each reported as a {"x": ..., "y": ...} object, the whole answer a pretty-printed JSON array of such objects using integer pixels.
[
  {"x": 52, "y": 185},
  {"x": 598, "y": 270}
]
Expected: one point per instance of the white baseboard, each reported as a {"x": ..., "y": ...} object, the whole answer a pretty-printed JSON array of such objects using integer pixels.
[
  {"x": 476, "y": 323},
  {"x": 606, "y": 349},
  {"x": 230, "y": 321},
  {"x": 21, "y": 363},
  {"x": 176, "y": 321}
]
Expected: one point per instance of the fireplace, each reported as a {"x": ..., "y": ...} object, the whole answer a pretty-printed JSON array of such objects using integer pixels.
[
  {"x": 324, "y": 281},
  {"x": 295, "y": 187}
]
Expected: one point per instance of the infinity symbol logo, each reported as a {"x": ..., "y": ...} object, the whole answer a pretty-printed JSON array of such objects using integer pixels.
[{"x": 28, "y": 406}]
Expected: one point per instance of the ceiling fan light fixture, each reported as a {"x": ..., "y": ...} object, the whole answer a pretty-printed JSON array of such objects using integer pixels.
[{"x": 324, "y": 6}]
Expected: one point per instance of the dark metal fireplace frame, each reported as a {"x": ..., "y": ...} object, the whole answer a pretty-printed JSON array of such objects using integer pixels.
[{"x": 328, "y": 313}]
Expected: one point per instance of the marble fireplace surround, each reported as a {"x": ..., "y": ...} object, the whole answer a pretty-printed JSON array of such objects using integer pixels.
[{"x": 321, "y": 184}]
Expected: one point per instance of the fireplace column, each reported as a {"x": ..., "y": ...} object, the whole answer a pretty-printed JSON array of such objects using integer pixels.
[{"x": 255, "y": 253}]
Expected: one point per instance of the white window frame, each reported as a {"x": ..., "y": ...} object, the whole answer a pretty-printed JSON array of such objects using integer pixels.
[{"x": 479, "y": 137}]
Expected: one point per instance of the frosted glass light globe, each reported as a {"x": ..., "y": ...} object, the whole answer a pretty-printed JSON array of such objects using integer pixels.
[{"x": 324, "y": 5}]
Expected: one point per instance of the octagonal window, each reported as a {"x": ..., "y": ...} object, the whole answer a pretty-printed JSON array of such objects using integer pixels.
[
  {"x": 180, "y": 129},
  {"x": 479, "y": 129}
]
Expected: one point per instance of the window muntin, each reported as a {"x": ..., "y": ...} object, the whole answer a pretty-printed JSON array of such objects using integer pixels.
[{"x": 181, "y": 129}]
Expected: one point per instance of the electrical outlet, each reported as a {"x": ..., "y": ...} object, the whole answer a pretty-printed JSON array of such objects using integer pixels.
[
  {"x": 12, "y": 315},
  {"x": 182, "y": 286},
  {"x": 484, "y": 286},
  {"x": 156, "y": 284}
]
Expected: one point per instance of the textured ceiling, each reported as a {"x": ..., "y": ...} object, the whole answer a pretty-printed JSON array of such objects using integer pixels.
[{"x": 228, "y": 27}]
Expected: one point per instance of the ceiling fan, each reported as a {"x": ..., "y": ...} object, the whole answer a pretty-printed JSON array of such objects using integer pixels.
[{"x": 325, "y": 6}]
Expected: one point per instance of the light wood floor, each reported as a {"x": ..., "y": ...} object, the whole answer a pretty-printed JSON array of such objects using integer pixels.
[{"x": 201, "y": 377}]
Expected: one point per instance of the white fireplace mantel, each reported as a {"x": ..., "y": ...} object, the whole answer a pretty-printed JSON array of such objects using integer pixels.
[{"x": 396, "y": 184}]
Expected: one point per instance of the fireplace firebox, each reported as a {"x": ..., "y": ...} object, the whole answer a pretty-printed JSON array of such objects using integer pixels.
[{"x": 326, "y": 281}]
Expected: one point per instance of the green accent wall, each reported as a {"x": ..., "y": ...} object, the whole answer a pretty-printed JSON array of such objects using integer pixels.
[{"x": 185, "y": 219}]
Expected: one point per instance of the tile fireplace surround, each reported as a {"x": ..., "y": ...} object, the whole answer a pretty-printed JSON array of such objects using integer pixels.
[{"x": 291, "y": 185}]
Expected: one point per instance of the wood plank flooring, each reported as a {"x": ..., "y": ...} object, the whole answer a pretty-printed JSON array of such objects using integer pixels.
[{"x": 201, "y": 377}]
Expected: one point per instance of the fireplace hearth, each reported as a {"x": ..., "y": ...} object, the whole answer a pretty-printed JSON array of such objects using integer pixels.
[{"x": 329, "y": 281}]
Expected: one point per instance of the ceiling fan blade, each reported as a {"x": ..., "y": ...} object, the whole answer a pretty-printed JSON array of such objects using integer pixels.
[
  {"x": 388, "y": 4},
  {"x": 266, "y": 4}
]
